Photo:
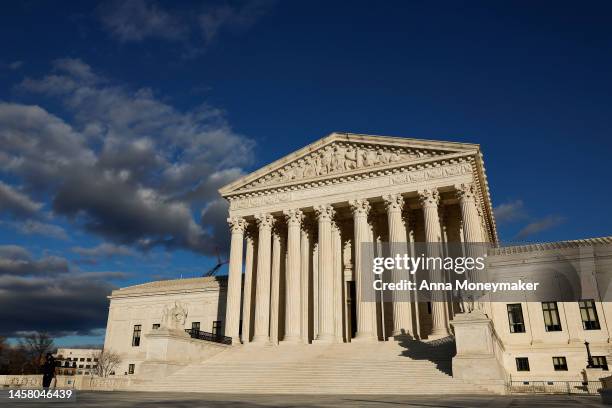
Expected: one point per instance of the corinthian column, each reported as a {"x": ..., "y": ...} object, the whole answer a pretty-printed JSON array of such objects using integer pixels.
[
  {"x": 472, "y": 235},
  {"x": 262, "y": 290},
  {"x": 366, "y": 306},
  {"x": 234, "y": 282},
  {"x": 247, "y": 297},
  {"x": 305, "y": 281},
  {"x": 433, "y": 236},
  {"x": 472, "y": 231},
  {"x": 277, "y": 259},
  {"x": 326, "y": 274},
  {"x": 292, "y": 276},
  {"x": 402, "y": 317}
]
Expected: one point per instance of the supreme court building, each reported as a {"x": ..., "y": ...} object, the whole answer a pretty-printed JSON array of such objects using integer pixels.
[{"x": 292, "y": 303}]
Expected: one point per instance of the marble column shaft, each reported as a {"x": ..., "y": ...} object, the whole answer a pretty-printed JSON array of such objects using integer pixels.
[
  {"x": 366, "y": 310},
  {"x": 433, "y": 236},
  {"x": 234, "y": 283},
  {"x": 326, "y": 274},
  {"x": 262, "y": 290},
  {"x": 293, "y": 283},
  {"x": 247, "y": 296},
  {"x": 277, "y": 257},
  {"x": 306, "y": 273},
  {"x": 402, "y": 315}
]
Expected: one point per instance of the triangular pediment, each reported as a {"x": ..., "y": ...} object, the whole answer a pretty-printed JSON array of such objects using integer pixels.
[{"x": 345, "y": 153}]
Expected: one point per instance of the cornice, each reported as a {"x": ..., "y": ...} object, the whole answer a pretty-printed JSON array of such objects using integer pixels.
[{"x": 547, "y": 246}]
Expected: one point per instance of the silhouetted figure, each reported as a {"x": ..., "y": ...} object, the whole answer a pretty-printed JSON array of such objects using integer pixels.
[{"x": 48, "y": 370}]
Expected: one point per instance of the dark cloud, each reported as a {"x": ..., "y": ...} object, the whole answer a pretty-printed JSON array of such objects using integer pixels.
[
  {"x": 140, "y": 20},
  {"x": 104, "y": 250},
  {"x": 46, "y": 295},
  {"x": 17, "y": 261},
  {"x": 136, "y": 20},
  {"x": 61, "y": 305},
  {"x": 214, "y": 215},
  {"x": 17, "y": 203},
  {"x": 33, "y": 227},
  {"x": 129, "y": 167}
]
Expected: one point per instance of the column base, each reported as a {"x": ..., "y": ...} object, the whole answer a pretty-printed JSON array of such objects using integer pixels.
[
  {"x": 325, "y": 339},
  {"x": 364, "y": 338},
  {"x": 292, "y": 340},
  {"x": 261, "y": 341}
]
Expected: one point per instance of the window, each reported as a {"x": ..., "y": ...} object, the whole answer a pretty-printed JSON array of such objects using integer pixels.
[
  {"x": 522, "y": 364},
  {"x": 136, "y": 335},
  {"x": 560, "y": 363},
  {"x": 131, "y": 369},
  {"x": 79, "y": 372},
  {"x": 155, "y": 326},
  {"x": 81, "y": 359},
  {"x": 96, "y": 360},
  {"x": 515, "y": 318},
  {"x": 195, "y": 327},
  {"x": 588, "y": 313},
  {"x": 88, "y": 366},
  {"x": 216, "y": 328},
  {"x": 89, "y": 359},
  {"x": 600, "y": 362},
  {"x": 551, "y": 316},
  {"x": 80, "y": 365}
]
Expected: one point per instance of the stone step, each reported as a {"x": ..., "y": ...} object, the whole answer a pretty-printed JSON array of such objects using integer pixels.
[{"x": 360, "y": 368}]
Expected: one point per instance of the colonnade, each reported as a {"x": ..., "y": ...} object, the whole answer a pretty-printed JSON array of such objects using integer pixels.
[{"x": 285, "y": 249}]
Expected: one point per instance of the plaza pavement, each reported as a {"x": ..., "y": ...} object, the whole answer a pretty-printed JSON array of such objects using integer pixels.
[{"x": 88, "y": 399}]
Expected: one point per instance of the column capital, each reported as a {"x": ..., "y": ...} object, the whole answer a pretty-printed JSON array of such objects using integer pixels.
[
  {"x": 360, "y": 207},
  {"x": 465, "y": 191},
  {"x": 237, "y": 225},
  {"x": 393, "y": 202},
  {"x": 324, "y": 212},
  {"x": 264, "y": 220},
  {"x": 294, "y": 216},
  {"x": 429, "y": 197}
]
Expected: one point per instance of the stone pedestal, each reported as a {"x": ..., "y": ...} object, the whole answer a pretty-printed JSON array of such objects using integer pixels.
[
  {"x": 171, "y": 349},
  {"x": 476, "y": 360}
]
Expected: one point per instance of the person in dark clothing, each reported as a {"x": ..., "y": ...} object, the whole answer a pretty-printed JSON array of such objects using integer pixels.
[{"x": 48, "y": 370}]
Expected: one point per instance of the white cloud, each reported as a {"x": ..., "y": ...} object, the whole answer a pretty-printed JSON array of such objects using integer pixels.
[
  {"x": 129, "y": 166},
  {"x": 538, "y": 226},
  {"x": 511, "y": 211}
]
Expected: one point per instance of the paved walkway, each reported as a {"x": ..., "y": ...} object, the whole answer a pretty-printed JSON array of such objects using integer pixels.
[{"x": 182, "y": 400}]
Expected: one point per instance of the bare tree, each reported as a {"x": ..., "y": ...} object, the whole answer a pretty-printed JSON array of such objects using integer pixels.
[
  {"x": 108, "y": 360},
  {"x": 36, "y": 345}
]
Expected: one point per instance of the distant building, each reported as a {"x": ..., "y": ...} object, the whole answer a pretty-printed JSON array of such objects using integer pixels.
[{"x": 75, "y": 361}]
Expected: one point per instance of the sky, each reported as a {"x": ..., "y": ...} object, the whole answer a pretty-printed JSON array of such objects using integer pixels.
[{"x": 120, "y": 120}]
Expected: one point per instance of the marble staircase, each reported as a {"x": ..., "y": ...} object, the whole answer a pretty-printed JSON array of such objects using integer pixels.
[{"x": 392, "y": 367}]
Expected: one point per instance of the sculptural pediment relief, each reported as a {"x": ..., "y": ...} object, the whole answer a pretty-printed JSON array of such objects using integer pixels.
[{"x": 342, "y": 156}]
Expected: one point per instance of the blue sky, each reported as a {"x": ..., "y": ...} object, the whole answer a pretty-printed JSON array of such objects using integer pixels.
[{"x": 119, "y": 120}]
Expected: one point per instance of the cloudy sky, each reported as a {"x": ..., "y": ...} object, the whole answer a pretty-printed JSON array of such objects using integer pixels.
[{"x": 120, "y": 120}]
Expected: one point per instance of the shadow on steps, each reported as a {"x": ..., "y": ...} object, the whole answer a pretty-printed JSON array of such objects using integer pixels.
[{"x": 440, "y": 352}]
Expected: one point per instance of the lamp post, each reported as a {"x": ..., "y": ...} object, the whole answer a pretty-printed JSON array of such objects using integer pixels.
[{"x": 590, "y": 363}]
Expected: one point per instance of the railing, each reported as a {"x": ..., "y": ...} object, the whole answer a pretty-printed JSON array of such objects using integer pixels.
[
  {"x": 202, "y": 335},
  {"x": 554, "y": 387}
]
